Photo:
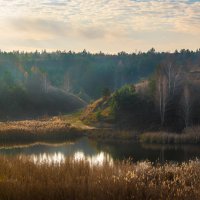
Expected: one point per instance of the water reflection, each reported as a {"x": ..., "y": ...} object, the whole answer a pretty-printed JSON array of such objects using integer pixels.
[
  {"x": 56, "y": 158},
  {"x": 153, "y": 153},
  {"x": 98, "y": 159},
  {"x": 40, "y": 153},
  {"x": 97, "y": 153},
  {"x": 59, "y": 158}
]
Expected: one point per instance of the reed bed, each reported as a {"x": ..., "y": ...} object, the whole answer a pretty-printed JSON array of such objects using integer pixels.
[
  {"x": 37, "y": 130},
  {"x": 189, "y": 136},
  {"x": 20, "y": 179},
  {"x": 35, "y": 126}
]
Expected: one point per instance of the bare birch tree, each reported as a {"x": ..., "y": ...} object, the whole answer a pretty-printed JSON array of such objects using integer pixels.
[
  {"x": 173, "y": 75},
  {"x": 162, "y": 95},
  {"x": 169, "y": 79}
]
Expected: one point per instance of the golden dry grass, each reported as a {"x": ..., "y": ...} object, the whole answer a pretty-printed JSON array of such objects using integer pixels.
[
  {"x": 22, "y": 179},
  {"x": 35, "y": 126},
  {"x": 55, "y": 128},
  {"x": 44, "y": 125}
]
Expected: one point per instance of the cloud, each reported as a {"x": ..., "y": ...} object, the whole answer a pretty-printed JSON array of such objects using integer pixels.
[
  {"x": 112, "y": 23},
  {"x": 92, "y": 32},
  {"x": 39, "y": 29}
]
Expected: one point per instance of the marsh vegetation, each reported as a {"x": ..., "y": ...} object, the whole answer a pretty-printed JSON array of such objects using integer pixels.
[{"x": 20, "y": 178}]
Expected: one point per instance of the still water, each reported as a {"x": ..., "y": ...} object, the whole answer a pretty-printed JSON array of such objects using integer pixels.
[{"x": 97, "y": 153}]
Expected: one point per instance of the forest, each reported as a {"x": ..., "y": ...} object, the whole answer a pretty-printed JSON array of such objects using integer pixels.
[{"x": 41, "y": 83}]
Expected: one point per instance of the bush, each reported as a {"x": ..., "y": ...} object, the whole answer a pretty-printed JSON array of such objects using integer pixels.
[
  {"x": 130, "y": 109},
  {"x": 123, "y": 98}
]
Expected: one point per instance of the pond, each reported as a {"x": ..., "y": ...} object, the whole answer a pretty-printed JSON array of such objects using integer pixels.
[{"x": 100, "y": 152}]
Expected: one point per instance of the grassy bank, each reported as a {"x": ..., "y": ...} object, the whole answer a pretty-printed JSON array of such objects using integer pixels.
[
  {"x": 189, "y": 136},
  {"x": 65, "y": 127},
  {"x": 112, "y": 135},
  {"x": 58, "y": 128},
  {"x": 21, "y": 179},
  {"x": 47, "y": 129}
]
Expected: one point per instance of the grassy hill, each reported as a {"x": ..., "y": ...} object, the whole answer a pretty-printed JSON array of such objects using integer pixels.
[
  {"x": 99, "y": 113},
  {"x": 120, "y": 108}
]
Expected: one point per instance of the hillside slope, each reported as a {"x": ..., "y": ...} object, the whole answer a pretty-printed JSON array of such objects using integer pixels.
[
  {"x": 34, "y": 103},
  {"x": 129, "y": 107},
  {"x": 98, "y": 113}
]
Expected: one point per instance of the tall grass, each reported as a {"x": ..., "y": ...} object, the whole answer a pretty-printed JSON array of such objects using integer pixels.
[
  {"x": 22, "y": 179},
  {"x": 189, "y": 136},
  {"x": 35, "y": 126},
  {"x": 51, "y": 129}
]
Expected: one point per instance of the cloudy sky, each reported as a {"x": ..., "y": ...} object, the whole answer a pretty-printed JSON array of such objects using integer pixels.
[{"x": 110, "y": 26}]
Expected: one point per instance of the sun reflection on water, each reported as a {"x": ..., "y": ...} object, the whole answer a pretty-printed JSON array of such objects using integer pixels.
[
  {"x": 98, "y": 159},
  {"x": 55, "y": 158},
  {"x": 59, "y": 158}
]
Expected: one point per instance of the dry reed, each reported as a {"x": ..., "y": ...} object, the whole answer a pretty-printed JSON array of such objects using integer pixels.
[
  {"x": 22, "y": 179},
  {"x": 189, "y": 136}
]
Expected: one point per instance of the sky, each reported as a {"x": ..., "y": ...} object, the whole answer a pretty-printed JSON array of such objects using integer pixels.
[{"x": 109, "y": 26}]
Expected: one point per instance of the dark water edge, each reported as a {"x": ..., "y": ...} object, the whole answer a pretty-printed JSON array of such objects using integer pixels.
[{"x": 95, "y": 151}]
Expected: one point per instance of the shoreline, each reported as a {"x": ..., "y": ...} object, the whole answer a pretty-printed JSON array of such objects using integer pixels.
[{"x": 62, "y": 128}]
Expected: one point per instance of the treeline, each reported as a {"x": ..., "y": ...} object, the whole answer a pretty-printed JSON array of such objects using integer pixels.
[{"x": 87, "y": 74}]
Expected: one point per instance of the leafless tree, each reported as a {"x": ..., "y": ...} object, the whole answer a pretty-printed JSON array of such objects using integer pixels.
[
  {"x": 162, "y": 95},
  {"x": 168, "y": 83},
  {"x": 173, "y": 75}
]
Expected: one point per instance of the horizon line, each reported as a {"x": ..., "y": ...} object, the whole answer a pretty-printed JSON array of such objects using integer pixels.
[{"x": 136, "y": 52}]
